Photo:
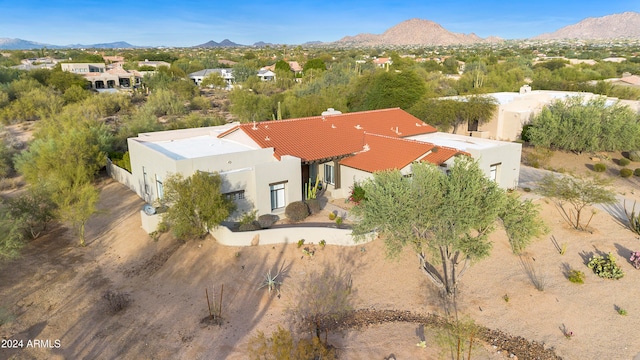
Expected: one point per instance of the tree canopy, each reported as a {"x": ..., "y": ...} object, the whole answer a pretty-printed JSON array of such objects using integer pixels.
[
  {"x": 445, "y": 217},
  {"x": 195, "y": 204},
  {"x": 593, "y": 125}
]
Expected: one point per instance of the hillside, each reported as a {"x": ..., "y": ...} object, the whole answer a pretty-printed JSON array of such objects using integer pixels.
[
  {"x": 412, "y": 32},
  {"x": 617, "y": 26}
]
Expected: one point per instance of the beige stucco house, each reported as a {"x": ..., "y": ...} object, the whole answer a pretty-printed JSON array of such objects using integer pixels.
[
  {"x": 515, "y": 109},
  {"x": 267, "y": 165}
]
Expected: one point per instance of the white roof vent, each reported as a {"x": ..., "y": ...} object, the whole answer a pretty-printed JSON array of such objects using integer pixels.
[{"x": 331, "y": 111}]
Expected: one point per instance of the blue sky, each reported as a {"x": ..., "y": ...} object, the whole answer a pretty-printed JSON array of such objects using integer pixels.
[{"x": 190, "y": 22}]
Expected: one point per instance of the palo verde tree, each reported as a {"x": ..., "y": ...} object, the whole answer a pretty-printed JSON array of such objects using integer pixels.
[
  {"x": 578, "y": 192},
  {"x": 196, "y": 204},
  {"x": 445, "y": 218}
]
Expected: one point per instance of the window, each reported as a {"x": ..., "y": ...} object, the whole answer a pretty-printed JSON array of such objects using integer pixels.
[
  {"x": 493, "y": 171},
  {"x": 146, "y": 182},
  {"x": 473, "y": 125},
  {"x": 328, "y": 174},
  {"x": 235, "y": 195},
  {"x": 159, "y": 187},
  {"x": 277, "y": 196}
]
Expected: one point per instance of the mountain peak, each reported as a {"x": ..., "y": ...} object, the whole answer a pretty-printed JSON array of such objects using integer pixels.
[
  {"x": 413, "y": 32},
  {"x": 616, "y": 26}
]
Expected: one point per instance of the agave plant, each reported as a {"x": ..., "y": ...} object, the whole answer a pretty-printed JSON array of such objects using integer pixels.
[
  {"x": 270, "y": 282},
  {"x": 634, "y": 219}
]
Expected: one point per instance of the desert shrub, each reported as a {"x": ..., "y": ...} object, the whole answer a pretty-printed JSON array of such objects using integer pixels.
[
  {"x": 281, "y": 345},
  {"x": 297, "y": 211},
  {"x": 267, "y": 220},
  {"x": 314, "y": 205},
  {"x": 634, "y": 155},
  {"x": 538, "y": 157},
  {"x": 116, "y": 301},
  {"x": 332, "y": 216},
  {"x": 624, "y": 162},
  {"x": 122, "y": 160},
  {"x": 635, "y": 259},
  {"x": 625, "y": 173},
  {"x": 599, "y": 167},
  {"x": 525, "y": 135},
  {"x": 357, "y": 194},
  {"x": 576, "y": 276},
  {"x": 636, "y": 172},
  {"x": 605, "y": 267},
  {"x": 6, "y": 316},
  {"x": 248, "y": 217}
]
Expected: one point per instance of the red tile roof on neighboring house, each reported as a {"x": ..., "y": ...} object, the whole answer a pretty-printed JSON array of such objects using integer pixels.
[
  {"x": 386, "y": 153},
  {"x": 331, "y": 136},
  {"x": 443, "y": 153}
]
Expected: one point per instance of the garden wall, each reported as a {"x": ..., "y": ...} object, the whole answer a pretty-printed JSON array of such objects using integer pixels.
[{"x": 285, "y": 235}]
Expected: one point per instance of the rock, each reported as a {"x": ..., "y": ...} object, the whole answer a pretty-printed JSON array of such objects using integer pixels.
[
  {"x": 595, "y": 159},
  {"x": 256, "y": 240}
]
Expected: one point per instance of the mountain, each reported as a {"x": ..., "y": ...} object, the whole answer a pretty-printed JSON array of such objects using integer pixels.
[
  {"x": 213, "y": 44},
  {"x": 616, "y": 26},
  {"x": 19, "y": 44},
  {"x": 413, "y": 32}
]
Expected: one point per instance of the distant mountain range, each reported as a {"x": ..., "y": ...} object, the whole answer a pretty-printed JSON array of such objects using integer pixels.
[
  {"x": 410, "y": 32},
  {"x": 617, "y": 26}
]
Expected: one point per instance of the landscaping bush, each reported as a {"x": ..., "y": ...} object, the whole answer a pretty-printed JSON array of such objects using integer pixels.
[
  {"x": 625, "y": 173},
  {"x": 599, "y": 167},
  {"x": 267, "y": 220},
  {"x": 634, "y": 155},
  {"x": 297, "y": 211},
  {"x": 314, "y": 205},
  {"x": 636, "y": 172},
  {"x": 605, "y": 267},
  {"x": 624, "y": 162},
  {"x": 332, "y": 216},
  {"x": 576, "y": 276}
]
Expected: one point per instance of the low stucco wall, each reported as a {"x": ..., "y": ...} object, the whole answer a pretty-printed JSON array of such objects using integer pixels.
[
  {"x": 150, "y": 222},
  {"x": 120, "y": 175},
  {"x": 332, "y": 236}
]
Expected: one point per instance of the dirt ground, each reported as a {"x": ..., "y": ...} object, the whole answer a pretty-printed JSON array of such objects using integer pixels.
[{"x": 55, "y": 291}]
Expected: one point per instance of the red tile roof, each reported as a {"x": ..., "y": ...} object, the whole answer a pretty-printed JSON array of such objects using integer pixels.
[
  {"x": 331, "y": 136},
  {"x": 442, "y": 154},
  {"x": 385, "y": 153}
]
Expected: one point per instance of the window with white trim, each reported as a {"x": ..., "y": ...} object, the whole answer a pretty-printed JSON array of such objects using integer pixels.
[
  {"x": 493, "y": 171},
  {"x": 159, "y": 187}
]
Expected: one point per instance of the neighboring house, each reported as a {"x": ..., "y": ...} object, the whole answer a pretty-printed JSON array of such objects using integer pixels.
[
  {"x": 382, "y": 62},
  {"x": 266, "y": 165},
  {"x": 516, "y": 110},
  {"x": 266, "y": 75},
  {"x": 101, "y": 78},
  {"x": 226, "y": 74}
]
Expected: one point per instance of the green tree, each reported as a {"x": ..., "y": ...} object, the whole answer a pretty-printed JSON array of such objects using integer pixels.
[
  {"x": 242, "y": 71},
  {"x": 594, "y": 125},
  {"x": 12, "y": 239},
  {"x": 445, "y": 218},
  {"x": 196, "y": 204},
  {"x": 214, "y": 79},
  {"x": 281, "y": 346},
  {"x": 381, "y": 90},
  {"x": 316, "y": 64},
  {"x": 76, "y": 203},
  {"x": 282, "y": 65},
  {"x": 578, "y": 193}
]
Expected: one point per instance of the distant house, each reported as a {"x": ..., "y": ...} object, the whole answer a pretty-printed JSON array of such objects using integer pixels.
[
  {"x": 101, "y": 78},
  {"x": 382, "y": 62},
  {"x": 266, "y": 165},
  {"x": 515, "y": 110},
  {"x": 266, "y": 74},
  {"x": 154, "y": 64},
  {"x": 226, "y": 74}
]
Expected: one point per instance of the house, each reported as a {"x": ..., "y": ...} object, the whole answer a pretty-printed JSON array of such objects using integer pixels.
[
  {"x": 102, "y": 78},
  {"x": 515, "y": 109},
  {"x": 226, "y": 74},
  {"x": 266, "y": 165},
  {"x": 266, "y": 74},
  {"x": 382, "y": 62}
]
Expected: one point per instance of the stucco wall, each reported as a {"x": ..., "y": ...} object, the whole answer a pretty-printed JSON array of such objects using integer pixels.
[
  {"x": 290, "y": 235},
  {"x": 507, "y": 155}
]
